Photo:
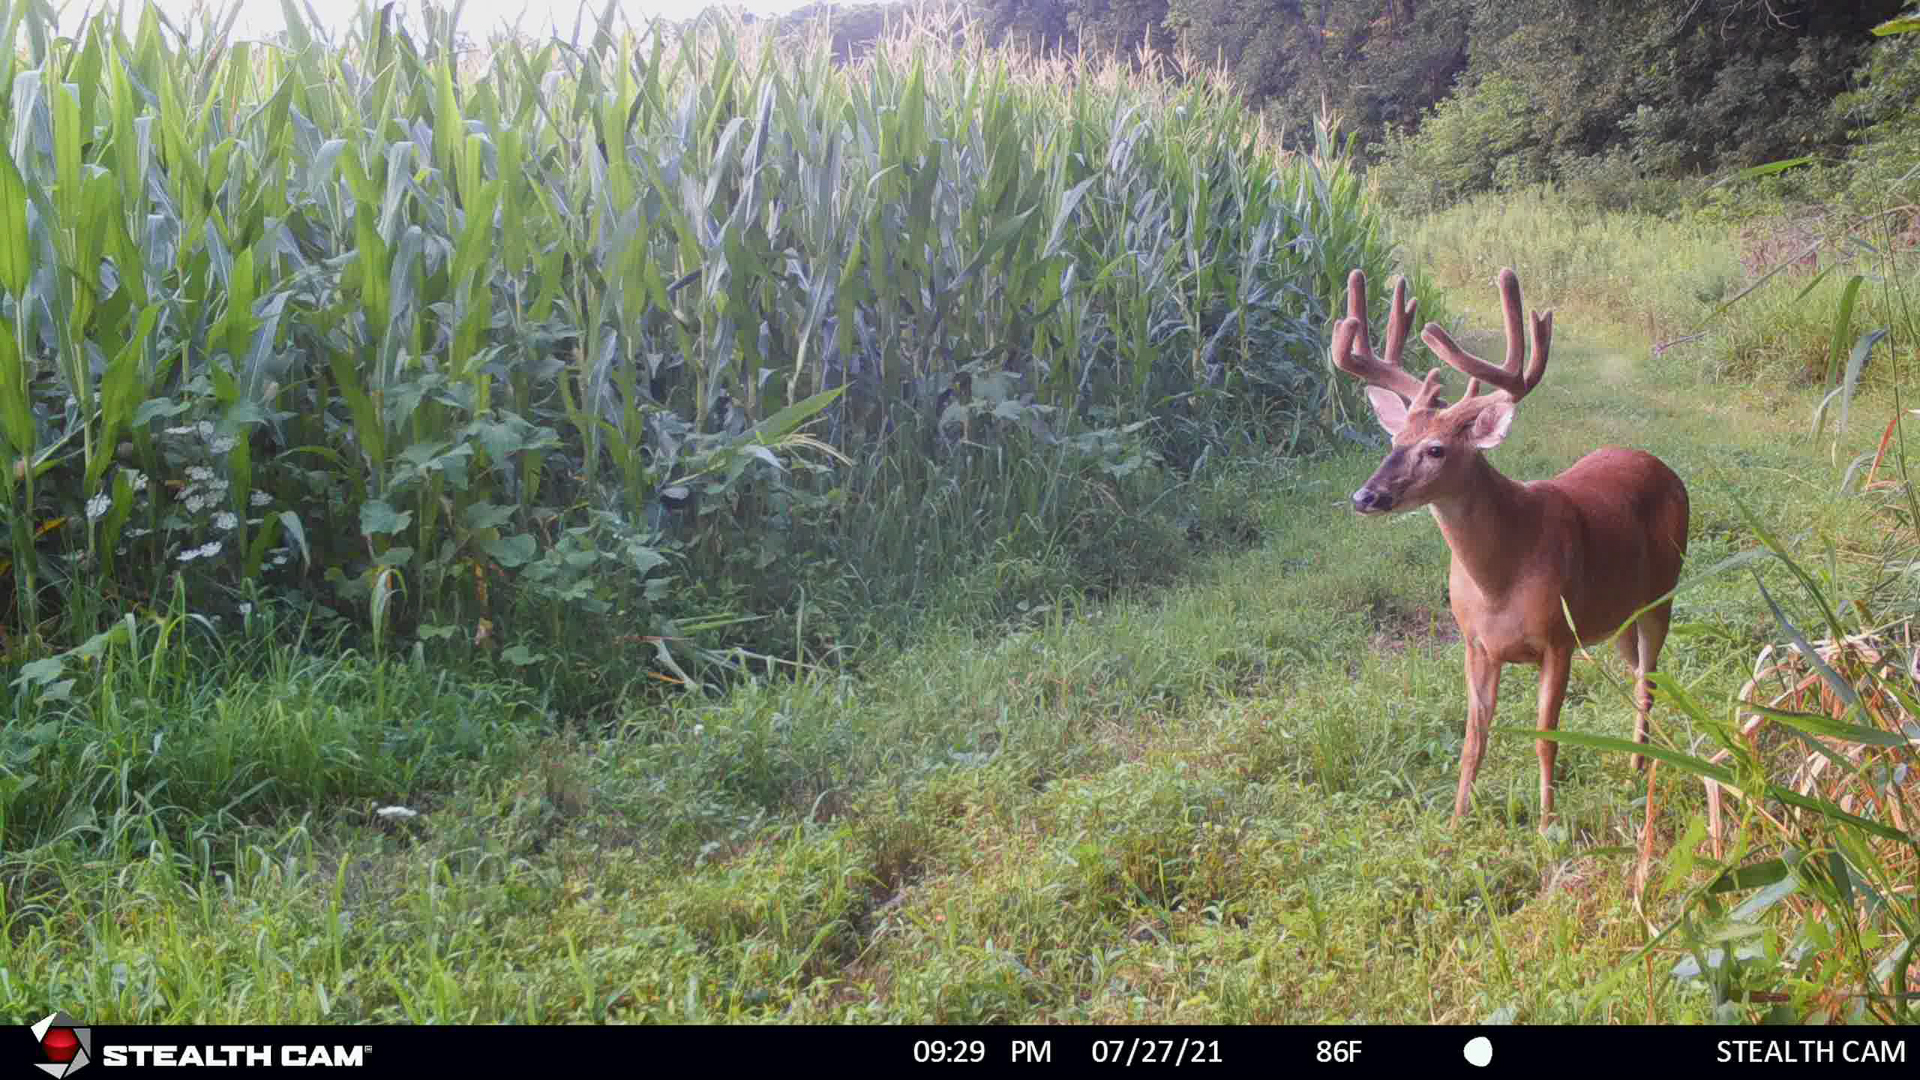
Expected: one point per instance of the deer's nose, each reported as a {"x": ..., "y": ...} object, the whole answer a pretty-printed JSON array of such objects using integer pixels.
[{"x": 1369, "y": 501}]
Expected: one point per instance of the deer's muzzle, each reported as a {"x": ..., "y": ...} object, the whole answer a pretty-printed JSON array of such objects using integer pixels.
[{"x": 1371, "y": 500}]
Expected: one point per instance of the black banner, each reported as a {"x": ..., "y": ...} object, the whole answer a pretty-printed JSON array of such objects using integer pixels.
[{"x": 1210, "y": 1051}]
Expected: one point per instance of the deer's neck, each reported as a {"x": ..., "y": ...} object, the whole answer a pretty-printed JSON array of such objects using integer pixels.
[{"x": 1487, "y": 524}]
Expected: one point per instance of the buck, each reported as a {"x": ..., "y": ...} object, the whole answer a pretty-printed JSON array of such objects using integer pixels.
[{"x": 1605, "y": 538}]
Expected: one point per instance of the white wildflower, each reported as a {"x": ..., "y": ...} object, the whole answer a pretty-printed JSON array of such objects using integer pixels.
[
  {"x": 139, "y": 480},
  {"x": 261, "y": 498},
  {"x": 225, "y": 521},
  {"x": 195, "y": 504},
  {"x": 219, "y": 487},
  {"x": 279, "y": 560},
  {"x": 97, "y": 506},
  {"x": 189, "y": 555},
  {"x": 184, "y": 429},
  {"x": 222, "y": 444},
  {"x": 246, "y": 609},
  {"x": 206, "y": 429},
  {"x": 199, "y": 473},
  {"x": 208, "y": 551}
]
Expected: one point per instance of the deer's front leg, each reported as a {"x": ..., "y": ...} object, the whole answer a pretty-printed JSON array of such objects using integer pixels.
[
  {"x": 1554, "y": 665},
  {"x": 1483, "y": 692}
]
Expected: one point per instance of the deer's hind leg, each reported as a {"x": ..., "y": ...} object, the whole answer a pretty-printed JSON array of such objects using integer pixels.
[{"x": 1640, "y": 648}]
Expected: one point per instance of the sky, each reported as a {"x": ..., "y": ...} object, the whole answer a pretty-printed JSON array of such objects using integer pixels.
[{"x": 478, "y": 18}]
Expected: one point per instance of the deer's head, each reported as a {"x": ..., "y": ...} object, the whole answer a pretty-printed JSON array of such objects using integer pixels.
[{"x": 1436, "y": 446}]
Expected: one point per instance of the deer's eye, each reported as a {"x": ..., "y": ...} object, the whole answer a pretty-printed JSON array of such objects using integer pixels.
[{"x": 1436, "y": 451}]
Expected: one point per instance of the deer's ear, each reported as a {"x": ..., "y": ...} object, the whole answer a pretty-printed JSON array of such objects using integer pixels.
[
  {"x": 1491, "y": 424},
  {"x": 1389, "y": 408}
]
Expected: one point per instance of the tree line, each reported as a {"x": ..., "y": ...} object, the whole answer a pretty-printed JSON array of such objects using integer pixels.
[{"x": 1459, "y": 96}]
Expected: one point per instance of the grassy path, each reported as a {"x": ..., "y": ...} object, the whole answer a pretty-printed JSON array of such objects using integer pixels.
[{"x": 1223, "y": 803}]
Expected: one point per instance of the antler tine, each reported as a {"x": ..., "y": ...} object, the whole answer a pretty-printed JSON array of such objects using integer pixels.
[
  {"x": 1399, "y": 321},
  {"x": 1353, "y": 345},
  {"x": 1357, "y": 309},
  {"x": 1428, "y": 396},
  {"x": 1542, "y": 341},
  {"x": 1510, "y": 379},
  {"x": 1508, "y": 283}
]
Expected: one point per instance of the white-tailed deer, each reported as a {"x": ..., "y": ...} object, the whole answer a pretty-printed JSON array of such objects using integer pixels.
[{"x": 1606, "y": 537}]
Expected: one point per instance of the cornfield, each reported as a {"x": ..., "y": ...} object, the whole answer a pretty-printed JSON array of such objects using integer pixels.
[{"x": 392, "y": 319}]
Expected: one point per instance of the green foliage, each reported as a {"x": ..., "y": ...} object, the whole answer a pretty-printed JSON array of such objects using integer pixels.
[
  {"x": 851, "y": 29},
  {"x": 1614, "y": 101},
  {"x": 1684, "y": 89},
  {"x": 1377, "y": 65},
  {"x": 1123, "y": 28},
  {"x": 1677, "y": 92},
  {"x": 1477, "y": 140},
  {"x": 1884, "y": 162},
  {"x": 1045, "y": 25},
  {"x": 649, "y": 338}
]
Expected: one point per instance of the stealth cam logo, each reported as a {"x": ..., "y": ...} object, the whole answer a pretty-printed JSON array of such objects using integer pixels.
[{"x": 65, "y": 1046}]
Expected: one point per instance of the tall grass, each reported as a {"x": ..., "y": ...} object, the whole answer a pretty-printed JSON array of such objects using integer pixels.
[
  {"x": 1810, "y": 912},
  {"x": 1780, "y": 301},
  {"x": 1650, "y": 274},
  {"x": 1822, "y": 747},
  {"x": 662, "y": 325}
]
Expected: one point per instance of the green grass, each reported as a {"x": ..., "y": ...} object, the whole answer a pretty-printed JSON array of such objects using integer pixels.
[
  {"x": 1682, "y": 283},
  {"x": 1225, "y": 801}
]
